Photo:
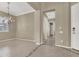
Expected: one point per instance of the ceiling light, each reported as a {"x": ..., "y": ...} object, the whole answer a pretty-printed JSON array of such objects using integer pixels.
[{"x": 10, "y": 18}]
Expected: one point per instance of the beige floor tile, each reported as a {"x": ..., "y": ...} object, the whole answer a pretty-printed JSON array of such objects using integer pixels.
[
  {"x": 20, "y": 48},
  {"x": 48, "y": 51},
  {"x": 16, "y": 48}
]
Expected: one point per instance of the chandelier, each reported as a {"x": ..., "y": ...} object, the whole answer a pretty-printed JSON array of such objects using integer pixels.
[{"x": 10, "y": 18}]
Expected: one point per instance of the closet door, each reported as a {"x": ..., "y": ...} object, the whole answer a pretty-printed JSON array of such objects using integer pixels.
[{"x": 75, "y": 26}]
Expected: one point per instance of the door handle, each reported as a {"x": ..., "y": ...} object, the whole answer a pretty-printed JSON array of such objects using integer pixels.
[{"x": 73, "y": 29}]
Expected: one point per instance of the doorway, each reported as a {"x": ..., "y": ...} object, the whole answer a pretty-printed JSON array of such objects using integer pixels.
[
  {"x": 49, "y": 27},
  {"x": 75, "y": 26}
]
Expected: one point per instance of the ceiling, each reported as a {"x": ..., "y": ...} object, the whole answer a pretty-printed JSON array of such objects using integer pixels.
[
  {"x": 50, "y": 15},
  {"x": 16, "y": 8}
]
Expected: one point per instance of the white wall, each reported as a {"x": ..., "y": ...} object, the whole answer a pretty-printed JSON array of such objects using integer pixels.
[
  {"x": 75, "y": 23},
  {"x": 46, "y": 28}
]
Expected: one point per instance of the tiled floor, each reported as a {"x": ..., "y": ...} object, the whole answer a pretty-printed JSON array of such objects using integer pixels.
[
  {"x": 19, "y": 48},
  {"x": 50, "y": 41},
  {"x": 48, "y": 51},
  {"x": 16, "y": 48}
]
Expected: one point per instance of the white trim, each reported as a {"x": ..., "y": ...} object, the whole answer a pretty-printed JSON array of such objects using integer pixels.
[
  {"x": 15, "y": 39},
  {"x": 75, "y": 48},
  {"x": 24, "y": 39},
  {"x": 6, "y": 40},
  {"x": 20, "y": 39},
  {"x": 23, "y": 13},
  {"x": 37, "y": 43},
  {"x": 64, "y": 46}
]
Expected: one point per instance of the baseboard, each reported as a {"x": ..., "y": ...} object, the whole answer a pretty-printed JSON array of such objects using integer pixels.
[
  {"x": 6, "y": 40},
  {"x": 64, "y": 46},
  {"x": 75, "y": 49},
  {"x": 15, "y": 39},
  {"x": 20, "y": 39},
  {"x": 38, "y": 43},
  {"x": 29, "y": 40},
  {"x": 24, "y": 39}
]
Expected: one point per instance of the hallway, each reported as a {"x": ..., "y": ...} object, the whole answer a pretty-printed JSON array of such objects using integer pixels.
[
  {"x": 50, "y": 41},
  {"x": 47, "y": 51}
]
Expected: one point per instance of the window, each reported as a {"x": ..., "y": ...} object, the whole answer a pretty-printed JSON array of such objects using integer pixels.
[{"x": 3, "y": 24}]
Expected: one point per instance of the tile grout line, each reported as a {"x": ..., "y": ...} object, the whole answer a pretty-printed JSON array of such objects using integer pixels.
[{"x": 33, "y": 51}]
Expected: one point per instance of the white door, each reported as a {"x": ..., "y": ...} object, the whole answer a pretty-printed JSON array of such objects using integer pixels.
[{"x": 75, "y": 26}]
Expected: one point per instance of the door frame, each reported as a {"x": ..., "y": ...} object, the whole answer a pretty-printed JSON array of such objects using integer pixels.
[{"x": 43, "y": 12}]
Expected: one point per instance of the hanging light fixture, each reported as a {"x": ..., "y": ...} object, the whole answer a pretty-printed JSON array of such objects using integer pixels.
[{"x": 10, "y": 18}]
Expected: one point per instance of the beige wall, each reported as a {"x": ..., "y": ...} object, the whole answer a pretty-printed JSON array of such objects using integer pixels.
[
  {"x": 11, "y": 33},
  {"x": 62, "y": 20},
  {"x": 25, "y": 26}
]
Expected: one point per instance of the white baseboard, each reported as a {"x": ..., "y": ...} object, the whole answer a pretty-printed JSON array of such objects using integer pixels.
[
  {"x": 20, "y": 39},
  {"x": 15, "y": 39},
  {"x": 64, "y": 46},
  {"x": 6, "y": 40},
  {"x": 37, "y": 43},
  {"x": 75, "y": 48},
  {"x": 28, "y": 40},
  {"x": 24, "y": 39}
]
